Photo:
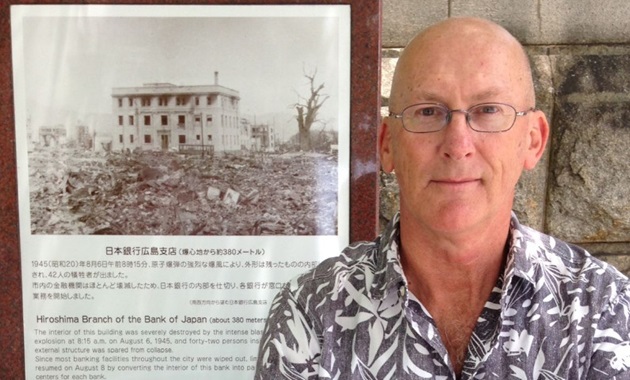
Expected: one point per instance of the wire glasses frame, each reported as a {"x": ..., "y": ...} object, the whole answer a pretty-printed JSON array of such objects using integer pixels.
[{"x": 484, "y": 117}]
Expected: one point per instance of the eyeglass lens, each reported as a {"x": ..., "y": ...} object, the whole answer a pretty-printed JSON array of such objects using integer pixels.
[{"x": 488, "y": 117}]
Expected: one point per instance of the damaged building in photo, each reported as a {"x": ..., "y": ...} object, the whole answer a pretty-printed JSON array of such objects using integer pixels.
[
  {"x": 147, "y": 176},
  {"x": 201, "y": 118}
]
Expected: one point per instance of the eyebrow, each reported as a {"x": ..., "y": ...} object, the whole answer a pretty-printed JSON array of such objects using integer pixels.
[
  {"x": 485, "y": 96},
  {"x": 489, "y": 94}
]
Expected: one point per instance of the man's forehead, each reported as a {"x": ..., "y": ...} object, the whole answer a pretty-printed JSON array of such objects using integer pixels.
[
  {"x": 485, "y": 66},
  {"x": 477, "y": 95},
  {"x": 473, "y": 80},
  {"x": 455, "y": 40}
]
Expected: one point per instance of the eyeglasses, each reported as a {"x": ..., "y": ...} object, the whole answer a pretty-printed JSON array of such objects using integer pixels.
[{"x": 485, "y": 117}]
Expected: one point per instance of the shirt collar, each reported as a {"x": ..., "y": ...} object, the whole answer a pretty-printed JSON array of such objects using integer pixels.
[
  {"x": 388, "y": 270},
  {"x": 523, "y": 243}
]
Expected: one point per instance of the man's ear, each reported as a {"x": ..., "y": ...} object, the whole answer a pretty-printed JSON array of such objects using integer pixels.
[
  {"x": 385, "y": 146},
  {"x": 538, "y": 137}
]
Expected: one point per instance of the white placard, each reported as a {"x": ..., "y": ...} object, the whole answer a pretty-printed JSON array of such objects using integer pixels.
[{"x": 141, "y": 257}]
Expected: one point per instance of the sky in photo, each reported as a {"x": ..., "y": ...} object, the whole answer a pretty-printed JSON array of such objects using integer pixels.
[{"x": 71, "y": 63}]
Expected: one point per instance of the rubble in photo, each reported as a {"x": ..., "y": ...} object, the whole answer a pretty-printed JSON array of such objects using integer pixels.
[{"x": 83, "y": 192}]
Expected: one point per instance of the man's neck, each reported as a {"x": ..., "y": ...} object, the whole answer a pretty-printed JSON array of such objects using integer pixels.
[
  {"x": 462, "y": 263},
  {"x": 453, "y": 277}
]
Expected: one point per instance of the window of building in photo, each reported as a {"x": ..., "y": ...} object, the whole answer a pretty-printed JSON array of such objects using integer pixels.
[
  {"x": 120, "y": 101},
  {"x": 163, "y": 101},
  {"x": 130, "y": 102},
  {"x": 147, "y": 139},
  {"x": 146, "y": 101},
  {"x": 147, "y": 119},
  {"x": 181, "y": 121},
  {"x": 196, "y": 100},
  {"x": 164, "y": 119},
  {"x": 182, "y": 139},
  {"x": 209, "y": 119},
  {"x": 120, "y": 138},
  {"x": 209, "y": 137},
  {"x": 131, "y": 139},
  {"x": 131, "y": 121},
  {"x": 120, "y": 120},
  {"x": 198, "y": 137}
]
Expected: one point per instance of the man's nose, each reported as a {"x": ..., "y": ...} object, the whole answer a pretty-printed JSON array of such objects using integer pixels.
[{"x": 457, "y": 142}]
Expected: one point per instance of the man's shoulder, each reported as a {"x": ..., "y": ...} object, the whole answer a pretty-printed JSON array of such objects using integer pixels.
[
  {"x": 568, "y": 252},
  {"x": 565, "y": 261}
]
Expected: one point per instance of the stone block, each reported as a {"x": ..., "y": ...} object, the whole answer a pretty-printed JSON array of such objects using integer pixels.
[
  {"x": 589, "y": 188},
  {"x": 403, "y": 19},
  {"x": 535, "y": 22},
  {"x": 521, "y": 18},
  {"x": 388, "y": 64},
  {"x": 584, "y": 21},
  {"x": 554, "y": 21},
  {"x": 529, "y": 199},
  {"x": 389, "y": 198}
]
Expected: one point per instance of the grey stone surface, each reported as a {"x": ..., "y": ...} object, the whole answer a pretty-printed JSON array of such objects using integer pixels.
[
  {"x": 388, "y": 64},
  {"x": 532, "y": 22},
  {"x": 521, "y": 18},
  {"x": 529, "y": 200},
  {"x": 403, "y": 19},
  {"x": 584, "y": 21},
  {"x": 589, "y": 186},
  {"x": 389, "y": 200}
]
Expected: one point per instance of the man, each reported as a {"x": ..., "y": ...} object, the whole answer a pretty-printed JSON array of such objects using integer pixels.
[{"x": 455, "y": 287}]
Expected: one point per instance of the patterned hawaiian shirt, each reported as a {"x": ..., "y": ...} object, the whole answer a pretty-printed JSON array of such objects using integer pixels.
[{"x": 556, "y": 313}]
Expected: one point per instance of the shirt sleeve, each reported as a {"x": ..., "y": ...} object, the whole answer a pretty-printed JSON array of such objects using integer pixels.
[
  {"x": 610, "y": 358},
  {"x": 289, "y": 346}
]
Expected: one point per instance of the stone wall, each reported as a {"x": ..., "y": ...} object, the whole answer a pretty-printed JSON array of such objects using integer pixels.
[{"x": 580, "y": 54}]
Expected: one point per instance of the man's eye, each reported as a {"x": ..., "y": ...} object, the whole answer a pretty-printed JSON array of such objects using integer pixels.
[
  {"x": 427, "y": 111},
  {"x": 490, "y": 109}
]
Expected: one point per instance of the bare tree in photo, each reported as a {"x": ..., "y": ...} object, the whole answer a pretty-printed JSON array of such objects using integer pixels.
[{"x": 308, "y": 109}]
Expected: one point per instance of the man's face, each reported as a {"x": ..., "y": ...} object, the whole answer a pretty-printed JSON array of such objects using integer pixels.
[{"x": 457, "y": 179}]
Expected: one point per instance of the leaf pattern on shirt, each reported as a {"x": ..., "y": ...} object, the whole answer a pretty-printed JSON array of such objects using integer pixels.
[{"x": 555, "y": 313}]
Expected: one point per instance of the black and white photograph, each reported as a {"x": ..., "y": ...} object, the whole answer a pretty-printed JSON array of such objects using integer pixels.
[{"x": 182, "y": 120}]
